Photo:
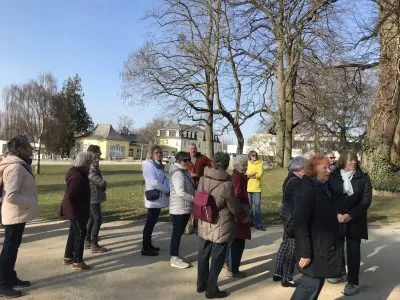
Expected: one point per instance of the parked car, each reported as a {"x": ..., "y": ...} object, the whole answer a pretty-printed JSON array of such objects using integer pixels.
[{"x": 169, "y": 159}]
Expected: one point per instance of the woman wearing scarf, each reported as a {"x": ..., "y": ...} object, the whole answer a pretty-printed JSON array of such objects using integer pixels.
[
  {"x": 156, "y": 196},
  {"x": 317, "y": 232},
  {"x": 352, "y": 192}
]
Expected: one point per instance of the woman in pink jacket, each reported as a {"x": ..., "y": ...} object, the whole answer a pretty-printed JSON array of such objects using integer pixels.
[{"x": 20, "y": 205}]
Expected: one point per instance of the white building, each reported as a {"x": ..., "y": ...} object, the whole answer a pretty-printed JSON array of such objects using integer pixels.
[{"x": 181, "y": 136}]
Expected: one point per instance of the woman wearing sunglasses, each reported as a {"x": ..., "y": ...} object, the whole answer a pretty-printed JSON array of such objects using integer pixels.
[
  {"x": 182, "y": 189},
  {"x": 156, "y": 196}
]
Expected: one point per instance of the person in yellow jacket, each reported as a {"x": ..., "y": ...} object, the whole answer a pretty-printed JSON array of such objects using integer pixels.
[{"x": 254, "y": 173}]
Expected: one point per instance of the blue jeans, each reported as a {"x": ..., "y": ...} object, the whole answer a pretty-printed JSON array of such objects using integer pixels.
[
  {"x": 255, "y": 205},
  {"x": 308, "y": 288},
  {"x": 94, "y": 223}
]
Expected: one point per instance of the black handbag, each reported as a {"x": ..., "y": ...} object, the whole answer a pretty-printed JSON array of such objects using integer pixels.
[{"x": 152, "y": 195}]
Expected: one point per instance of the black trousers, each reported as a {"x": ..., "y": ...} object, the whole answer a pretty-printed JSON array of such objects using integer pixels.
[
  {"x": 94, "y": 223},
  {"x": 234, "y": 254},
  {"x": 286, "y": 259},
  {"x": 207, "y": 275},
  {"x": 309, "y": 288},
  {"x": 76, "y": 240},
  {"x": 151, "y": 221},
  {"x": 178, "y": 227},
  {"x": 8, "y": 257},
  {"x": 353, "y": 260}
]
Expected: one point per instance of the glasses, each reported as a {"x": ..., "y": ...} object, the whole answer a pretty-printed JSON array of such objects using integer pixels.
[
  {"x": 185, "y": 160},
  {"x": 254, "y": 155}
]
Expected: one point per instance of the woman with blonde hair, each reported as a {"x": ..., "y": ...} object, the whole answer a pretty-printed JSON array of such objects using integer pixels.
[
  {"x": 156, "y": 196},
  {"x": 255, "y": 171}
]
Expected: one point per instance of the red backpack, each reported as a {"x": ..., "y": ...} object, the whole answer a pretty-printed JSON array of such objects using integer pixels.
[{"x": 205, "y": 208}]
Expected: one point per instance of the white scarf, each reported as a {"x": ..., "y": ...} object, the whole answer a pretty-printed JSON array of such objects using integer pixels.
[{"x": 347, "y": 176}]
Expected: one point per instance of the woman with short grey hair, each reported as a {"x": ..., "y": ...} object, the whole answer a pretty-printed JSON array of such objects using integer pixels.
[
  {"x": 76, "y": 207},
  {"x": 286, "y": 259},
  {"x": 242, "y": 230}
]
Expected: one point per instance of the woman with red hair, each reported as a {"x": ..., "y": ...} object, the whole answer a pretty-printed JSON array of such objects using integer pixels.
[{"x": 316, "y": 230}]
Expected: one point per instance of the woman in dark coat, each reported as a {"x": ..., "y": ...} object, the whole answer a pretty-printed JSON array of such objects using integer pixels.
[
  {"x": 242, "y": 230},
  {"x": 352, "y": 192},
  {"x": 317, "y": 232},
  {"x": 76, "y": 207},
  {"x": 286, "y": 259}
]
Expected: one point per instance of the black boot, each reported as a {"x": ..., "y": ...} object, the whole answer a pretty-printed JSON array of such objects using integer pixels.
[
  {"x": 147, "y": 251},
  {"x": 9, "y": 292},
  {"x": 16, "y": 282}
]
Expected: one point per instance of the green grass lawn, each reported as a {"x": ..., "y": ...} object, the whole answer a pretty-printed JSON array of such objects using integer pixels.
[{"x": 125, "y": 194}]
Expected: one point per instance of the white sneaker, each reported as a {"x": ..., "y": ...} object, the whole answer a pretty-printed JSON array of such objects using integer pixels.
[{"x": 177, "y": 262}]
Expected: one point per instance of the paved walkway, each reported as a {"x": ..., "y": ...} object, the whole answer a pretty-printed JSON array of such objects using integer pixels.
[{"x": 123, "y": 273}]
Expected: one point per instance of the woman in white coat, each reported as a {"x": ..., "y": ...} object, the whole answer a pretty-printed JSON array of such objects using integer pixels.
[
  {"x": 156, "y": 196},
  {"x": 180, "y": 207}
]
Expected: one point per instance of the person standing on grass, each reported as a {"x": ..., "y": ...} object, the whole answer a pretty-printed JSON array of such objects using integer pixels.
[
  {"x": 352, "y": 192},
  {"x": 156, "y": 183},
  {"x": 98, "y": 188},
  {"x": 20, "y": 205},
  {"x": 286, "y": 259},
  {"x": 242, "y": 231},
  {"x": 317, "y": 233},
  {"x": 180, "y": 204},
  {"x": 255, "y": 171},
  {"x": 76, "y": 207},
  {"x": 197, "y": 163}
]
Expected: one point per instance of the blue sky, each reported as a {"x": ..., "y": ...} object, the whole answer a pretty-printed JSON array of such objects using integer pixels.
[{"x": 89, "y": 38}]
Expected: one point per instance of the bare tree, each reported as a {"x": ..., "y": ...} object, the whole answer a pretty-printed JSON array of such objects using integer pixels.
[
  {"x": 180, "y": 71},
  {"x": 29, "y": 105},
  {"x": 280, "y": 32},
  {"x": 125, "y": 125}
]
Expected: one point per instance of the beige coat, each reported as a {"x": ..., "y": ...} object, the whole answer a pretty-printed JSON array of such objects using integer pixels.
[
  {"x": 224, "y": 195},
  {"x": 20, "y": 202}
]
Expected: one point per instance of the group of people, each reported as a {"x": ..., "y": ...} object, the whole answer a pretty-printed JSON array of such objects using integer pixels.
[
  {"x": 84, "y": 192},
  {"x": 324, "y": 209}
]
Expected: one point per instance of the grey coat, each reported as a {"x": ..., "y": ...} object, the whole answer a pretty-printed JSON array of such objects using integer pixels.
[
  {"x": 98, "y": 186},
  {"x": 182, "y": 190}
]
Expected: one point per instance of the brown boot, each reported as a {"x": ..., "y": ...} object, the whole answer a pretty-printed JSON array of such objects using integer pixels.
[
  {"x": 96, "y": 248},
  {"x": 80, "y": 266}
]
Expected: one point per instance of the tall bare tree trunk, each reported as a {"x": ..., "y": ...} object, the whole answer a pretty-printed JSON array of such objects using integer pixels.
[
  {"x": 290, "y": 94},
  {"x": 385, "y": 110}
]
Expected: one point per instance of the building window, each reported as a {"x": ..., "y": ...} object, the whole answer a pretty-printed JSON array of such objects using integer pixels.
[
  {"x": 177, "y": 143},
  {"x": 184, "y": 134},
  {"x": 177, "y": 133},
  {"x": 158, "y": 132},
  {"x": 167, "y": 133},
  {"x": 117, "y": 151},
  {"x": 187, "y": 134}
]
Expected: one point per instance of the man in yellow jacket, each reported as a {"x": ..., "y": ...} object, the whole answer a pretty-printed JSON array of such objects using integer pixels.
[{"x": 254, "y": 173}]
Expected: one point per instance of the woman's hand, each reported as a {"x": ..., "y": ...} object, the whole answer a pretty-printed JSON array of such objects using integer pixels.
[
  {"x": 346, "y": 218},
  {"x": 304, "y": 262}
]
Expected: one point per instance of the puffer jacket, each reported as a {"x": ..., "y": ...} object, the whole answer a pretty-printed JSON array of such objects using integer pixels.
[
  {"x": 182, "y": 190},
  {"x": 154, "y": 178},
  {"x": 254, "y": 184},
  {"x": 20, "y": 202},
  {"x": 98, "y": 186},
  {"x": 229, "y": 208}
]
